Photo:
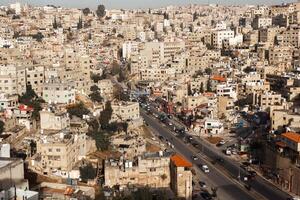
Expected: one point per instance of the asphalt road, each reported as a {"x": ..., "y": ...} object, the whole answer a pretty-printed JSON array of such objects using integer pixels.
[
  {"x": 228, "y": 189},
  {"x": 262, "y": 187}
]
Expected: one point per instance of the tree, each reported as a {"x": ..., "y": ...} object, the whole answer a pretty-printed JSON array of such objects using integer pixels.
[
  {"x": 105, "y": 115},
  {"x": 55, "y": 25},
  {"x": 100, "y": 11},
  {"x": 78, "y": 110},
  {"x": 86, "y": 11},
  {"x": 208, "y": 71},
  {"x": 39, "y": 36},
  {"x": 2, "y": 124},
  {"x": 87, "y": 172},
  {"x": 31, "y": 99},
  {"x": 201, "y": 87},
  {"x": 208, "y": 86},
  {"x": 79, "y": 24},
  {"x": 96, "y": 77},
  {"x": 95, "y": 95}
]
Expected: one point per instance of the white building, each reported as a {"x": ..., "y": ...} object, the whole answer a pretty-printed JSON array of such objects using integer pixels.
[
  {"x": 55, "y": 91},
  {"x": 229, "y": 90},
  {"x": 219, "y": 36}
]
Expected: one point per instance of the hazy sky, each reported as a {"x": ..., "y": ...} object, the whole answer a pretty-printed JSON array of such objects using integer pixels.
[{"x": 137, "y": 3}]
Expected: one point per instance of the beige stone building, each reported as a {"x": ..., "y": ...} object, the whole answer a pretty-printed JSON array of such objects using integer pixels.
[
  {"x": 56, "y": 91},
  {"x": 150, "y": 169},
  {"x": 12, "y": 79},
  {"x": 181, "y": 177},
  {"x": 61, "y": 151},
  {"x": 35, "y": 76},
  {"x": 51, "y": 119},
  {"x": 267, "y": 99},
  {"x": 283, "y": 117},
  {"x": 125, "y": 111}
]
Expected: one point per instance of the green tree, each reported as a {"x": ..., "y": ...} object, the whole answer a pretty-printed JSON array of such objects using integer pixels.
[
  {"x": 105, "y": 115},
  {"x": 78, "y": 110},
  {"x": 100, "y": 11},
  {"x": 55, "y": 25},
  {"x": 208, "y": 86},
  {"x": 208, "y": 71},
  {"x": 96, "y": 77},
  {"x": 87, "y": 172},
  {"x": 31, "y": 99},
  {"x": 86, "y": 11},
  {"x": 2, "y": 124},
  {"x": 80, "y": 23},
  {"x": 95, "y": 95},
  {"x": 201, "y": 87}
]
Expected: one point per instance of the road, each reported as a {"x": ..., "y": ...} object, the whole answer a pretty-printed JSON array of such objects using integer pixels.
[
  {"x": 227, "y": 188},
  {"x": 232, "y": 168}
]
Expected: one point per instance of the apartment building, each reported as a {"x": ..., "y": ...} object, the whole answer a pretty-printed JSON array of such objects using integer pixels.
[
  {"x": 125, "y": 111},
  {"x": 35, "y": 76},
  {"x": 12, "y": 79},
  {"x": 54, "y": 119},
  {"x": 225, "y": 106},
  {"x": 278, "y": 54},
  {"x": 61, "y": 151},
  {"x": 267, "y": 99},
  {"x": 181, "y": 177},
  {"x": 219, "y": 36},
  {"x": 268, "y": 35},
  {"x": 281, "y": 118},
  {"x": 8, "y": 101},
  {"x": 290, "y": 37},
  {"x": 229, "y": 90},
  {"x": 192, "y": 102},
  {"x": 56, "y": 91},
  {"x": 157, "y": 73},
  {"x": 261, "y": 22}
]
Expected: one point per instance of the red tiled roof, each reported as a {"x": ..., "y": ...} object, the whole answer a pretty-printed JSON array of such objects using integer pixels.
[
  {"x": 295, "y": 137},
  {"x": 179, "y": 161},
  {"x": 218, "y": 78},
  {"x": 23, "y": 107}
]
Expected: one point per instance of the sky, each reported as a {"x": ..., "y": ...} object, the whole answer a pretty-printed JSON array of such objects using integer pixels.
[{"x": 137, "y": 3}]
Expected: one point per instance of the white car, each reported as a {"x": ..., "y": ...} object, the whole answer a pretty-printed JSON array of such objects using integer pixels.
[{"x": 205, "y": 168}]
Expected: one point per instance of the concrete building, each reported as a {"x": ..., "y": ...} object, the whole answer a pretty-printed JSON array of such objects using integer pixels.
[
  {"x": 150, "y": 169},
  {"x": 125, "y": 111},
  {"x": 219, "y": 36},
  {"x": 51, "y": 119},
  {"x": 181, "y": 177},
  {"x": 261, "y": 22},
  {"x": 8, "y": 101},
  {"x": 58, "y": 153},
  {"x": 267, "y": 99},
  {"x": 35, "y": 76},
  {"x": 12, "y": 79},
  {"x": 56, "y": 91}
]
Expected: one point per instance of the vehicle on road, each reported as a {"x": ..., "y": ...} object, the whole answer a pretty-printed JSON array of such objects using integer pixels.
[
  {"x": 205, "y": 168},
  {"x": 195, "y": 157},
  {"x": 202, "y": 184},
  {"x": 206, "y": 195}
]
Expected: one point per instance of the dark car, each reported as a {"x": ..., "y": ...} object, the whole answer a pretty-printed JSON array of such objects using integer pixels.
[{"x": 206, "y": 195}]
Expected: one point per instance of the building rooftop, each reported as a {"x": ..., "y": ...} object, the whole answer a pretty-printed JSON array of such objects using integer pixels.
[
  {"x": 179, "y": 161},
  {"x": 295, "y": 137}
]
